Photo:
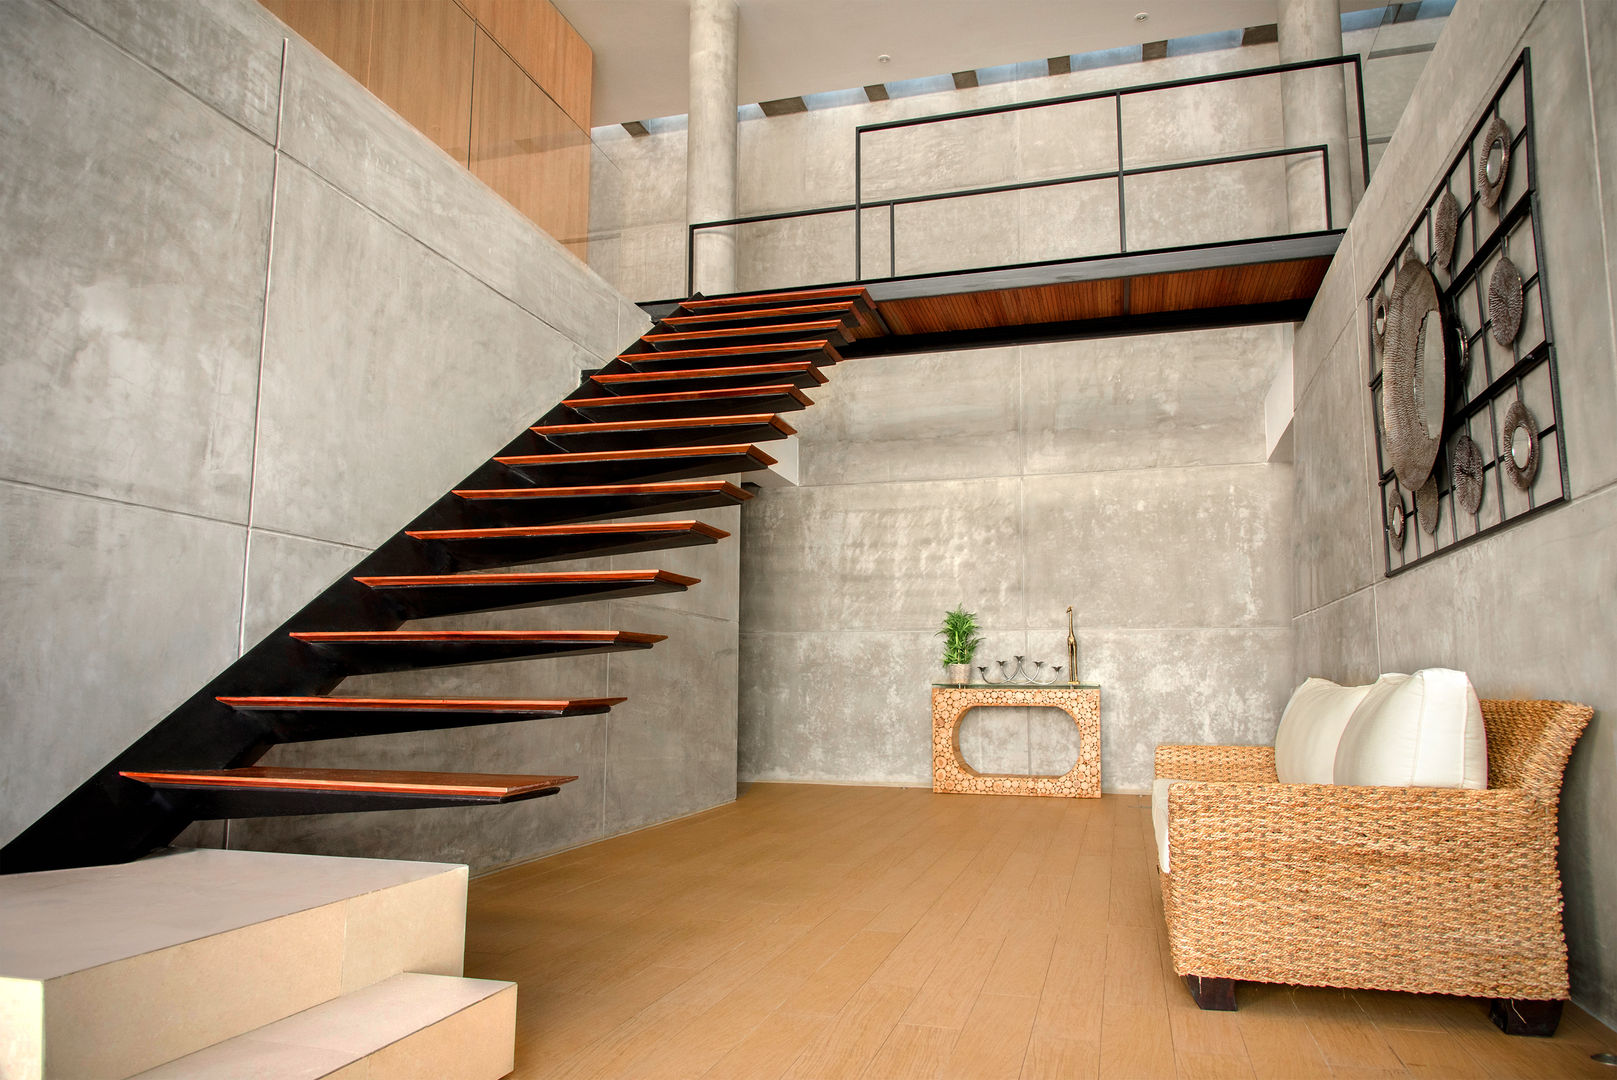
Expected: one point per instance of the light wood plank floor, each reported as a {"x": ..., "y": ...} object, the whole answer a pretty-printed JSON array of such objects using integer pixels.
[{"x": 821, "y": 932}]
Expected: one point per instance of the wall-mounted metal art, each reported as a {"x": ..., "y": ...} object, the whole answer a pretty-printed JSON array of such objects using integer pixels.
[
  {"x": 1497, "y": 407},
  {"x": 1467, "y": 478},
  {"x": 1505, "y": 301},
  {"x": 1445, "y": 226},
  {"x": 1494, "y": 167},
  {"x": 1426, "y": 506},
  {"x": 1415, "y": 371},
  {"x": 1521, "y": 446}
]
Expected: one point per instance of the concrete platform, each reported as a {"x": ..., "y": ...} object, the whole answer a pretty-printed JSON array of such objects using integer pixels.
[{"x": 109, "y": 971}]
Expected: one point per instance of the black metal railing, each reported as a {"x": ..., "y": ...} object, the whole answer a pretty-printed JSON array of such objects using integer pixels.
[{"x": 1119, "y": 174}]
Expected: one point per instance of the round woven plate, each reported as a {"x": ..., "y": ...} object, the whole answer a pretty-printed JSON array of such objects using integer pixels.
[
  {"x": 1505, "y": 301},
  {"x": 1467, "y": 474},
  {"x": 1445, "y": 223},
  {"x": 1411, "y": 446},
  {"x": 1426, "y": 506},
  {"x": 1499, "y": 132},
  {"x": 1517, "y": 417},
  {"x": 1395, "y": 518}
]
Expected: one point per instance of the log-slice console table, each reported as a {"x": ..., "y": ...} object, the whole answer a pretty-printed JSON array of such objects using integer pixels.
[{"x": 951, "y": 773}]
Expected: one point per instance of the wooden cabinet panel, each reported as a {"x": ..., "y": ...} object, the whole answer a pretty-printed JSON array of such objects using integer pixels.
[
  {"x": 339, "y": 28},
  {"x": 528, "y": 150},
  {"x": 421, "y": 65},
  {"x": 544, "y": 45}
]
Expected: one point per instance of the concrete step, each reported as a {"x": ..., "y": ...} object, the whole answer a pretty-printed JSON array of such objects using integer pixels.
[
  {"x": 108, "y": 971},
  {"x": 409, "y": 1027}
]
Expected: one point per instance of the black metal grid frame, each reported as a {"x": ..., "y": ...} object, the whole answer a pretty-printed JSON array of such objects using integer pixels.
[
  {"x": 1483, "y": 377},
  {"x": 1119, "y": 175}
]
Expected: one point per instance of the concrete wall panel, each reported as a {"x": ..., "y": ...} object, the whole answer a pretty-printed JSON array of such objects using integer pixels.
[
  {"x": 228, "y": 55},
  {"x": 1128, "y": 403},
  {"x": 869, "y": 424},
  {"x": 388, "y": 375},
  {"x": 114, "y": 615},
  {"x": 135, "y": 265}
]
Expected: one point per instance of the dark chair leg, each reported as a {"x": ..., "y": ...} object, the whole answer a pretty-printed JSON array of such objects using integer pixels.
[
  {"x": 1517, "y": 1016},
  {"x": 1215, "y": 994}
]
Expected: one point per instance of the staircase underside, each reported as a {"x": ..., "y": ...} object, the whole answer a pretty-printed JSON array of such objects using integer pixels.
[{"x": 1229, "y": 284}]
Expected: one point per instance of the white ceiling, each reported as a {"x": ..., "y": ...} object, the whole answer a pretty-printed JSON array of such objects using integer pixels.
[{"x": 792, "y": 47}]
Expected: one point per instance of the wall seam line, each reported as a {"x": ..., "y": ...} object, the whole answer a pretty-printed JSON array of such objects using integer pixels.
[
  {"x": 263, "y": 346},
  {"x": 114, "y": 500}
]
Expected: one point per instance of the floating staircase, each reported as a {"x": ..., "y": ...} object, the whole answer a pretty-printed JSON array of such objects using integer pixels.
[{"x": 657, "y": 430}]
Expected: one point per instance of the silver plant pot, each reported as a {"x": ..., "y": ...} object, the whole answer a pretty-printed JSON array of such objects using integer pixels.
[{"x": 959, "y": 674}]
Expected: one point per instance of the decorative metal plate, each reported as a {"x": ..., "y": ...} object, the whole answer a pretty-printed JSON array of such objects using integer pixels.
[
  {"x": 1395, "y": 517},
  {"x": 1426, "y": 506},
  {"x": 1445, "y": 224},
  {"x": 1505, "y": 301},
  {"x": 1517, "y": 418},
  {"x": 1406, "y": 385},
  {"x": 1467, "y": 474},
  {"x": 1488, "y": 191}
]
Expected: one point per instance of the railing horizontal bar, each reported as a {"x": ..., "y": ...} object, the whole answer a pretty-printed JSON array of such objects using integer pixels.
[
  {"x": 1083, "y": 178},
  {"x": 1097, "y": 95},
  {"x": 1229, "y": 159}
]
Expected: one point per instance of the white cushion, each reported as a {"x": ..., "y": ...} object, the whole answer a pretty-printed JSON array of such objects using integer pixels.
[
  {"x": 1310, "y": 728},
  {"x": 1159, "y": 819},
  {"x": 1420, "y": 730}
]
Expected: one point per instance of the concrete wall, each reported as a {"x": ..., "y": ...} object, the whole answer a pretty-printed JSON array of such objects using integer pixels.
[
  {"x": 1126, "y": 477},
  {"x": 1527, "y": 611},
  {"x": 253, "y": 323}
]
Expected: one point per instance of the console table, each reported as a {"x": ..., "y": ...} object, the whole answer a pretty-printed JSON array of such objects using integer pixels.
[{"x": 950, "y": 771}]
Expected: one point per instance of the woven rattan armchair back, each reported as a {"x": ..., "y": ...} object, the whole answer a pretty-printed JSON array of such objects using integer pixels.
[{"x": 1529, "y": 743}]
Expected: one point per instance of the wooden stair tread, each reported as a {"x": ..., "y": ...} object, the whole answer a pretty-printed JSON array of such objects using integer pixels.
[
  {"x": 406, "y": 581},
  {"x": 366, "y": 704},
  {"x": 598, "y": 528},
  {"x": 479, "y": 785},
  {"x": 773, "y": 420},
  {"x": 621, "y": 400},
  {"x": 817, "y": 345},
  {"x": 829, "y": 326},
  {"x": 734, "y": 450},
  {"x": 802, "y": 368},
  {"x": 384, "y": 637},
  {"x": 669, "y": 487},
  {"x": 843, "y": 307}
]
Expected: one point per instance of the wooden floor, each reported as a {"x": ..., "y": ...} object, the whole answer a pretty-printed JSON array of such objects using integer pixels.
[{"x": 809, "y": 931}]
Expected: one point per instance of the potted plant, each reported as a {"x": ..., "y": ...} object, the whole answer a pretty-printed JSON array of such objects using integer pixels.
[{"x": 960, "y": 641}]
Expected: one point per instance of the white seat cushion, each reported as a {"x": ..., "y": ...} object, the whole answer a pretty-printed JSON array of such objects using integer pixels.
[
  {"x": 1159, "y": 819},
  {"x": 1420, "y": 730},
  {"x": 1311, "y": 727}
]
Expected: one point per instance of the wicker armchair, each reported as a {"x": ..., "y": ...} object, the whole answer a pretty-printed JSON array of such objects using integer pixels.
[{"x": 1431, "y": 890}]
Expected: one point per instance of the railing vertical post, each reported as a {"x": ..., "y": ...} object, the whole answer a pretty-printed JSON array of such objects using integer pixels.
[
  {"x": 690, "y": 259},
  {"x": 1325, "y": 163},
  {"x": 1122, "y": 205},
  {"x": 1364, "y": 133},
  {"x": 858, "y": 204},
  {"x": 892, "y": 240}
]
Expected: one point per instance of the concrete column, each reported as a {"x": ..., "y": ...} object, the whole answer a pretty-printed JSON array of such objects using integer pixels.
[
  {"x": 710, "y": 156},
  {"x": 1315, "y": 111}
]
